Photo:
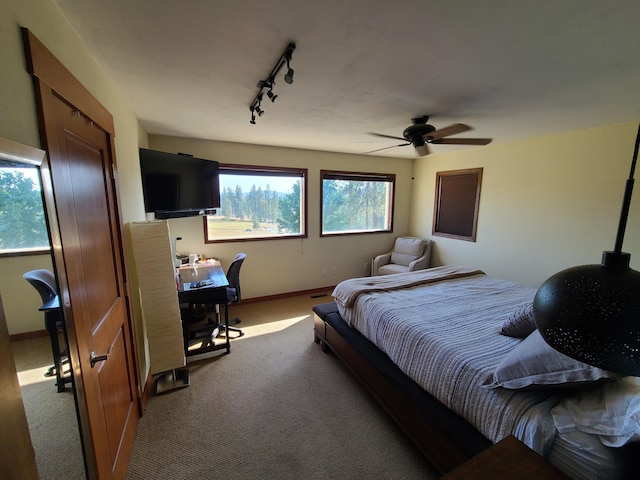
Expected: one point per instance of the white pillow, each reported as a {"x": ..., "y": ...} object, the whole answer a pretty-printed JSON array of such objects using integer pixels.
[
  {"x": 612, "y": 412},
  {"x": 534, "y": 362}
]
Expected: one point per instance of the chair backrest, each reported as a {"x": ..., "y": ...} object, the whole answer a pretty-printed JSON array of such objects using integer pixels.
[
  {"x": 44, "y": 281},
  {"x": 407, "y": 249},
  {"x": 233, "y": 275}
]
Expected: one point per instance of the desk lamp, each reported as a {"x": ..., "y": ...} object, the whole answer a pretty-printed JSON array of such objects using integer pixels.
[{"x": 592, "y": 312}]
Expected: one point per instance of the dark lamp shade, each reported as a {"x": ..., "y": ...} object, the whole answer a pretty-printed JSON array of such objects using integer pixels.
[{"x": 592, "y": 314}]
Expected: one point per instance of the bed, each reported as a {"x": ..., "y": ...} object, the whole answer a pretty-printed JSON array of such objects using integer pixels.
[{"x": 453, "y": 356}]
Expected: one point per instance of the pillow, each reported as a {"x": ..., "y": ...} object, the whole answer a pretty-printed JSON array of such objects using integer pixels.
[
  {"x": 402, "y": 258},
  {"x": 406, "y": 250},
  {"x": 534, "y": 362},
  {"x": 520, "y": 323},
  {"x": 611, "y": 412}
]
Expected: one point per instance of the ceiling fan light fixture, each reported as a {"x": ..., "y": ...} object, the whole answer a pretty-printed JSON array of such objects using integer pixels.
[{"x": 420, "y": 134}]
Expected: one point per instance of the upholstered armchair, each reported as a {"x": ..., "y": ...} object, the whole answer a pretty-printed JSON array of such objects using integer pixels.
[{"x": 408, "y": 254}]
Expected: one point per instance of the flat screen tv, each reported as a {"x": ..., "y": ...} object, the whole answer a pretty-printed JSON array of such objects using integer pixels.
[{"x": 178, "y": 185}]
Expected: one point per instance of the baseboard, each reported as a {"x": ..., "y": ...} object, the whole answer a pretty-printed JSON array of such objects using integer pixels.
[
  {"x": 16, "y": 337},
  {"x": 326, "y": 290},
  {"x": 144, "y": 397}
]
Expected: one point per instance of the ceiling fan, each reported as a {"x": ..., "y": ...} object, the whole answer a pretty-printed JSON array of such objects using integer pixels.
[{"x": 420, "y": 134}]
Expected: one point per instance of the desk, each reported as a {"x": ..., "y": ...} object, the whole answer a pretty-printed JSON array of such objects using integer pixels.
[{"x": 213, "y": 294}]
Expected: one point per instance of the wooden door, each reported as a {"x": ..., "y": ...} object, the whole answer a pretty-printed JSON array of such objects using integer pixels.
[{"x": 82, "y": 205}]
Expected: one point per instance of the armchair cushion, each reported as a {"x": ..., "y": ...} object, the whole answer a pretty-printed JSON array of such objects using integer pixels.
[{"x": 406, "y": 250}]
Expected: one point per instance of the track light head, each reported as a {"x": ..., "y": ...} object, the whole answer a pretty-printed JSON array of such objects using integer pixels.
[
  {"x": 289, "y": 76},
  {"x": 272, "y": 96},
  {"x": 253, "y": 119},
  {"x": 259, "y": 111}
]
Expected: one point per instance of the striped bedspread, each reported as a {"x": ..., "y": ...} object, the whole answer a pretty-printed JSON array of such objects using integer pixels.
[{"x": 442, "y": 329}]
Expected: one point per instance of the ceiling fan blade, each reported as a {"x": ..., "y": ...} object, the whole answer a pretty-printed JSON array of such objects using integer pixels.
[
  {"x": 446, "y": 131},
  {"x": 461, "y": 141},
  {"x": 386, "y": 148},
  {"x": 388, "y": 136},
  {"x": 423, "y": 150}
]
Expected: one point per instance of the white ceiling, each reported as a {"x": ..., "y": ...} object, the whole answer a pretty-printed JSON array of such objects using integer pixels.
[{"x": 511, "y": 69}]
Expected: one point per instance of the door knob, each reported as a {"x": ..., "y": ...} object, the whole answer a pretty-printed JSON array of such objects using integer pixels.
[{"x": 93, "y": 358}]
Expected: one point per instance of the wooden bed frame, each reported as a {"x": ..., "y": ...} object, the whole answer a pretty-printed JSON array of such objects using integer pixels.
[{"x": 446, "y": 439}]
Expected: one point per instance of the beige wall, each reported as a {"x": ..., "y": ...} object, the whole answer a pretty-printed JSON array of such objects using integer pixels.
[
  {"x": 546, "y": 204},
  {"x": 18, "y": 122},
  {"x": 280, "y": 266}
]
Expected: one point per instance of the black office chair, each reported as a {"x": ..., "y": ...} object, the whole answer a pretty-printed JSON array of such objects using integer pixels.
[
  {"x": 45, "y": 283},
  {"x": 200, "y": 315},
  {"x": 233, "y": 290}
]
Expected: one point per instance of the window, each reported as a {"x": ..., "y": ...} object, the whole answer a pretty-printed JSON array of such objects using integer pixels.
[
  {"x": 456, "y": 204},
  {"x": 23, "y": 226},
  {"x": 356, "y": 202},
  {"x": 258, "y": 203}
]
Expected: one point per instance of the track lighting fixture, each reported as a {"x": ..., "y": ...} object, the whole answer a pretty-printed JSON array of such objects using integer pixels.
[{"x": 268, "y": 84}]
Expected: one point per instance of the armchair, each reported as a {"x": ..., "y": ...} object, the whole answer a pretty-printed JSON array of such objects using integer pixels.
[{"x": 408, "y": 254}]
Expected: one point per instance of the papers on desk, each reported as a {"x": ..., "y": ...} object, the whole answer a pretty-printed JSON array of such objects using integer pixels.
[{"x": 196, "y": 285}]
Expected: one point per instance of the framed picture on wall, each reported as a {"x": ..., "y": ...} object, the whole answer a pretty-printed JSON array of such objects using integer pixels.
[{"x": 456, "y": 204}]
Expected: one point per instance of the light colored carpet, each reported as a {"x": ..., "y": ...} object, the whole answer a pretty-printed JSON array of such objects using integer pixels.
[
  {"x": 276, "y": 407},
  {"x": 51, "y": 415}
]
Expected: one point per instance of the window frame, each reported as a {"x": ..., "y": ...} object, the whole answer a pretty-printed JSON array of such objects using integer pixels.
[
  {"x": 355, "y": 176},
  {"x": 256, "y": 170},
  {"x": 17, "y": 155}
]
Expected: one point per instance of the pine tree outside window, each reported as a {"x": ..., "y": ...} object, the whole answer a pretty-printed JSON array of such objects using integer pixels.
[
  {"x": 23, "y": 228},
  {"x": 355, "y": 203},
  {"x": 259, "y": 203}
]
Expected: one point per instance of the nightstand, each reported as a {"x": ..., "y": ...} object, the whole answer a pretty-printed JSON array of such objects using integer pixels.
[{"x": 507, "y": 459}]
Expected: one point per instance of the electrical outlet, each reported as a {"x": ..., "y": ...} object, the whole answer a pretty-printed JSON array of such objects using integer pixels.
[
  {"x": 324, "y": 272},
  {"x": 334, "y": 270}
]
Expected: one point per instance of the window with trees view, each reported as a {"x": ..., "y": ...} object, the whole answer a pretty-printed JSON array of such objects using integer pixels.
[
  {"x": 22, "y": 221},
  {"x": 259, "y": 203},
  {"x": 356, "y": 202}
]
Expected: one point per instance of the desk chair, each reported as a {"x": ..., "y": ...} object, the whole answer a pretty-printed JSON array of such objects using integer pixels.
[
  {"x": 45, "y": 283},
  {"x": 233, "y": 290},
  {"x": 197, "y": 314}
]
